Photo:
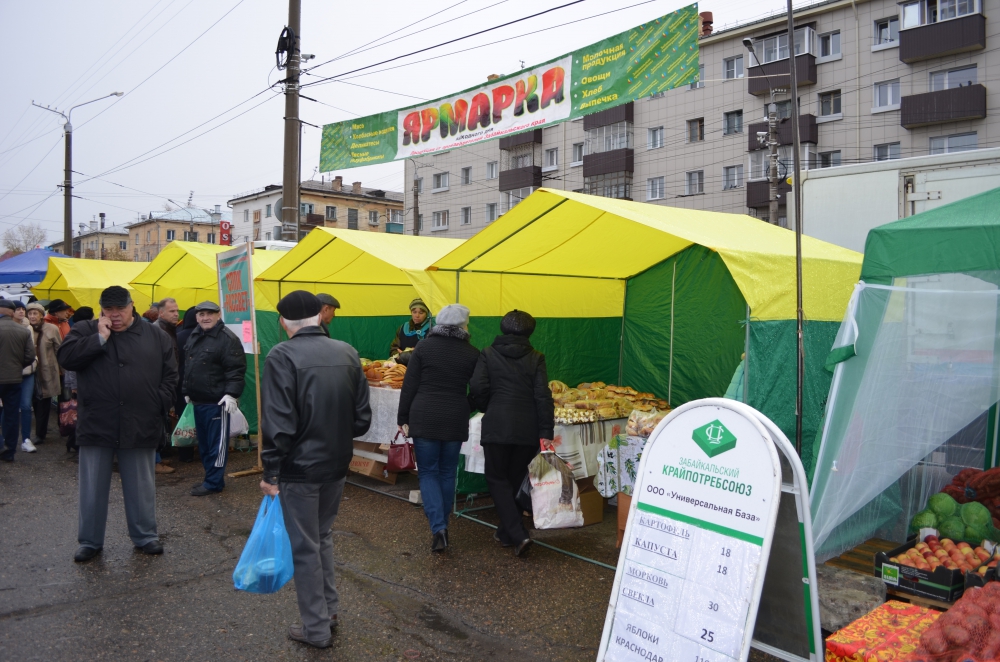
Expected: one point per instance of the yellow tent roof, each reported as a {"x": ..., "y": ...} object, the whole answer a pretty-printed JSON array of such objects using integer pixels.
[
  {"x": 365, "y": 271},
  {"x": 568, "y": 254},
  {"x": 79, "y": 282},
  {"x": 187, "y": 272}
]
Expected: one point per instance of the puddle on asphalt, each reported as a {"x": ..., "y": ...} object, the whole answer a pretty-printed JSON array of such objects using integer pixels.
[{"x": 435, "y": 621}]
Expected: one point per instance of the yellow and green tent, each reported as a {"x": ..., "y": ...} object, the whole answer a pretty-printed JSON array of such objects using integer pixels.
[
  {"x": 659, "y": 298},
  {"x": 79, "y": 282},
  {"x": 367, "y": 272}
]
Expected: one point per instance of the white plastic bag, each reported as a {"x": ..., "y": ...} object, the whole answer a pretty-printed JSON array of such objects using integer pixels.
[
  {"x": 238, "y": 424},
  {"x": 555, "y": 499},
  {"x": 475, "y": 458}
]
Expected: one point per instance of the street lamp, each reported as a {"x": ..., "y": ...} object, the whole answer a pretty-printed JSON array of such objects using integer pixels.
[{"x": 68, "y": 175}]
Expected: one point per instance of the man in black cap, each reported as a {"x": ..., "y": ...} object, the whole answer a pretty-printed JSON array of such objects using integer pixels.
[
  {"x": 315, "y": 403},
  {"x": 126, "y": 374},
  {"x": 17, "y": 352},
  {"x": 215, "y": 366},
  {"x": 328, "y": 311}
]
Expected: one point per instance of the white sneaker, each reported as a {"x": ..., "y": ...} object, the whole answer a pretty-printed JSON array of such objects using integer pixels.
[{"x": 27, "y": 446}]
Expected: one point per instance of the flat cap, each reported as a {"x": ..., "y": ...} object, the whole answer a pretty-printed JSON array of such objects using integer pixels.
[
  {"x": 57, "y": 305},
  {"x": 327, "y": 300},
  {"x": 299, "y": 305},
  {"x": 209, "y": 306},
  {"x": 115, "y": 296},
  {"x": 7, "y": 303}
]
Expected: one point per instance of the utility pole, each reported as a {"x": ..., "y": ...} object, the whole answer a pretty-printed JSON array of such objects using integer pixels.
[
  {"x": 290, "y": 194},
  {"x": 416, "y": 205},
  {"x": 797, "y": 185},
  {"x": 68, "y": 170},
  {"x": 772, "y": 171}
]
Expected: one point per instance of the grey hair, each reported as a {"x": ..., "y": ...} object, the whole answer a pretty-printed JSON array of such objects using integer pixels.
[
  {"x": 167, "y": 300},
  {"x": 295, "y": 326}
]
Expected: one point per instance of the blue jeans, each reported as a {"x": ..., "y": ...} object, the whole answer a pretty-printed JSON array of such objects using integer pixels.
[
  {"x": 10, "y": 394},
  {"x": 211, "y": 423},
  {"x": 437, "y": 469}
]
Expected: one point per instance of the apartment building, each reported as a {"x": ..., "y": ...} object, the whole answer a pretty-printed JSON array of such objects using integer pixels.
[
  {"x": 877, "y": 80},
  {"x": 98, "y": 240},
  {"x": 257, "y": 214},
  {"x": 151, "y": 234}
]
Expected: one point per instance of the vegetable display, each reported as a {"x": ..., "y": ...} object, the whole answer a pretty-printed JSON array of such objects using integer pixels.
[
  {"x": 933, "y": 553},
  {"x": 970, "y": 630},
  {"x": 966, "y": 509}
]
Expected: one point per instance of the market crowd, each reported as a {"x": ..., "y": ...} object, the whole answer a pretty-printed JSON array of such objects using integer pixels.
[{"x": 124, "y": 381}]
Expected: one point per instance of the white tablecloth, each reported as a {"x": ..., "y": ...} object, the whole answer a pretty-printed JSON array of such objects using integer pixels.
[{"x": 385, "y": 404}]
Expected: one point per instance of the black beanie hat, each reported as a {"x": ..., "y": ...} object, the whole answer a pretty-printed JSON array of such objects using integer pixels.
[
  {"x": 115, "y": 296},
  {"x": 83, "y": 313},
  {"x": 517, "y": 323},
  {"x": 299, "y": 305}
]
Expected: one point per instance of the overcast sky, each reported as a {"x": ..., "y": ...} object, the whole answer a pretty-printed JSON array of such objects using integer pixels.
[{"x": 185, "y": 65}]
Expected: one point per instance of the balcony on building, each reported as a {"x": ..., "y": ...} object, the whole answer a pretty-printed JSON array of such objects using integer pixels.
[
  {"x": 521, "y": 160},
  {"x": 770, "y": 68},
  {"x": 757, "y": 186},
  {"x": 759, "y": 193},
  {"x": 394, "y": 228},
  {"x": 808, "y": 132},
  {"x": 950, "y": 105},
  {"x": 609, "y": 157},
  {"x": 935, "y": 28}
]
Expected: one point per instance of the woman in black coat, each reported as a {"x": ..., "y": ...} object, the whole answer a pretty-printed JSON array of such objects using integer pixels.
[
  {"x": 434, "y": 404},
  {"x": 511, "y": 385}
]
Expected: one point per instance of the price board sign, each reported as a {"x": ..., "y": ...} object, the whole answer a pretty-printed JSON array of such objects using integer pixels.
[{"x": 699, "y": 532}]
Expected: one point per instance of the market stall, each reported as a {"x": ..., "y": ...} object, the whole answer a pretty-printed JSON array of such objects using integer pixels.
[
  {"x": 26, "y": 269},
  {"x": 79, "y": 282}
]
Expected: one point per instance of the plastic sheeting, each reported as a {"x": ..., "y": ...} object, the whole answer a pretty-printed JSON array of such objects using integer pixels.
[
  {"x": 906, "y": 409},
  {"x": 80, "y": 282}
]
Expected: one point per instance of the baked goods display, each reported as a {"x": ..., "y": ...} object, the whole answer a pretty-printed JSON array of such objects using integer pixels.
[
  {"x": 384, "y": 374},
  {"x": 596, "y": 401}
]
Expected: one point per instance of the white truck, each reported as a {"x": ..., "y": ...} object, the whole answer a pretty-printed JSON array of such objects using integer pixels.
[{"x": 840, "y": 205}]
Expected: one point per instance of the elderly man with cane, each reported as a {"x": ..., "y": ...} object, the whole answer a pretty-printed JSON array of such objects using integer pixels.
[
  {"x": 315, "y": 403},
  {"x": 126, "y": 376}
]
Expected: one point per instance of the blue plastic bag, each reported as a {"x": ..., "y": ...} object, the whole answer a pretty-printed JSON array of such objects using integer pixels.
[{"x": 266, "y": 562}]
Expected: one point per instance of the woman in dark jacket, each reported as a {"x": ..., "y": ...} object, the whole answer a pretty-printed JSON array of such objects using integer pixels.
[
  {"x": 412, "y": 331},
  {"x": 511, "y": 385},
  {"x": 434, "y": 404}
]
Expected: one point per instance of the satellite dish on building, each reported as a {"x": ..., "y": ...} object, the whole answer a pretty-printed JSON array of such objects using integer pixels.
[{"x": 277, "y": 208}]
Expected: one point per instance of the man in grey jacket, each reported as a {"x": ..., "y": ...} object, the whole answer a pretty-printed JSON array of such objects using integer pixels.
[
  {"x": 17, "y": 352},
  {"x": 315, "y": 403}
]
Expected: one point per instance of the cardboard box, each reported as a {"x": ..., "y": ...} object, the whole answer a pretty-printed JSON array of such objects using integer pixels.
[
  {"x": 975, "y": 579},
  {"x": 624, "y": 501},
  {"x": 368, "y": 467},
  {"x": 941, "y": 584},
  {"x": 591, "y": 501}
]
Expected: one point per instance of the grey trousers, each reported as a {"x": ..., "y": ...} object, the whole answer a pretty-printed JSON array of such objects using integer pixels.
[
  {"x": 309, "y": 510},
  {"x": 136, "y": 466}
]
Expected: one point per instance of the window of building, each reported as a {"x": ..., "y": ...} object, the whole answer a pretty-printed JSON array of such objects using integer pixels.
[
  {"x": 829, "y": 44},
  {"x": 396, "y": 216},
  {"x": 760, "y": 161},
  {"x": 372, "y": 217},
  {"x": 331, "y": 213},
  {"x": 419, "y": 181},
  {"x": 694, "y": 182},
  {"x": 148, "y": 235},
  {"x": 654, "y": 188},
  {"x": 923, "y": 12},
  {"x": 466, "y": 215},
  {"x": 772, "y": 49},
  {"x": 782, "y": 109},
  {"x": 829, "y": 103},
  {"x": 492, "y": 170},
  {"x": 551, "y": 159},
  {"x": 352, "y": 219},
  {"x": 886, "y": 31},
  {"x": 190, "y": 236},
  {"x": 885, "y": 95},
  {"x": 136, "y": 239},
  {"x": 732, "y": 122},
  {"x": 732, "y": 177},
  {"x": 701, "y": 79},
  {"x": 885, "y": 152},
  {"x": 956, "y": 143},
  {"x": 945, "y": 80},
  {"x": 148, "y": 257},
  {"x": 210, "y": 238},
  {"x": 509, "y": 199},
  {"x": 267, "y": 236},
  {"x": 171, "y": 235},
  {"x": 256, "y": 216},
  {"x": 440, "y": 221},
  {"x": 467, "y": 175},
  {"x": 577, "y": 154},
  {"x": 654, "y": 137},
  {"x": 732, "y": 67},
  {"x": 610, "y": 185},
  {"x": 246, "y": 215},
  {"x": 609, "y": 137},
  {"x": 306, "y": 208},
  {"x": 267, "y": 211},
  {"x": 123, "y": 245},
  {"x": 696, "y": 130},
  {"x": 829, "y": 159},
  {"x": 491, "y": 211},
  {"x": 420, "y": 222},
  {"x": 440, "y": 182}
]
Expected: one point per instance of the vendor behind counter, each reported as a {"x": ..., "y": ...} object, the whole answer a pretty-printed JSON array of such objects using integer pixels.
[{"x": 414, "y": 330}]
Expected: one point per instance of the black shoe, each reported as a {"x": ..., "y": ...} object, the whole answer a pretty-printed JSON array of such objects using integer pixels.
[
  {"x": 153, "y": 547},
  {"x": 7, "y": 458},
  {"x": 84, "y": 554},
  {"x": 198, "y": 484},
  {"x": 522, "y": 547},
  {"x": 295, "y": 634},
  {"x": 496, "y": 536},
  {"x": 200, "y": 490},
  {"x": 439, "y": 542},
  {"x": 446, "y": 540}
]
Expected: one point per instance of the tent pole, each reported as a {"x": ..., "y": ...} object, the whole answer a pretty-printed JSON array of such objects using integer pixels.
[
  {"x": 746, "y": 362},
  {"x": 621, "y": 337},
  {"x": 670, "y": 377},
  {"x": 797, "y": 185},
  {"x": 457, "y": 274}
]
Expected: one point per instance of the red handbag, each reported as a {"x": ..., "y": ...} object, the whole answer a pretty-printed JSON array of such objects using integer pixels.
[{"x": 400, "y": 456}]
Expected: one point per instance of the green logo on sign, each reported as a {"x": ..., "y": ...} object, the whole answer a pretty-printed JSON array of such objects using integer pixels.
[
  {"x": 714, "y": 438},
  {"x": 890, "y": 574}
]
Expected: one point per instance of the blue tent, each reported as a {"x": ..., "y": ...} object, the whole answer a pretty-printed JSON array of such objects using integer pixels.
[{"x": 27, "y": 267}]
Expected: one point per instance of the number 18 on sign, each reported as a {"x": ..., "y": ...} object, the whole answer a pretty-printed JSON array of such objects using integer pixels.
[{"x": 699, "y": 532}]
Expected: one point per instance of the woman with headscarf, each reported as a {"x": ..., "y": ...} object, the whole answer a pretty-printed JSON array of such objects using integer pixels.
[
  {"x": 434, "y": 409},
  {"x": 511, "y": 387},
  {"x": 413, "y": 330}
]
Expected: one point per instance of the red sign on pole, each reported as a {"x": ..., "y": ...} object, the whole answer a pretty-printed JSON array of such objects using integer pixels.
[{"x": 225, "y": 233}]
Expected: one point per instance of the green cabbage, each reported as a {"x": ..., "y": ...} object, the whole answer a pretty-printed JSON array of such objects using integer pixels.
[
  {"x": 925, "y": 519},
  {"x": 976, "y": 514},
  {"x": 942, "y": 505},
  {"x": 952, "y": 528},
  {"x": 974, "y": 535}
]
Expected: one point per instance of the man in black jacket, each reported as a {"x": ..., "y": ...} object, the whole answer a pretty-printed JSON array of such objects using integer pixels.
[
  {"x": 214, "y": 368},
  {"x": 315, "y": 403},
  {"x": 126, "y": 375}
]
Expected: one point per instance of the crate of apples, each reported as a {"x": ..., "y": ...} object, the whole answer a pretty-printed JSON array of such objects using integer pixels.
[{"x": 933, "y": 553}]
